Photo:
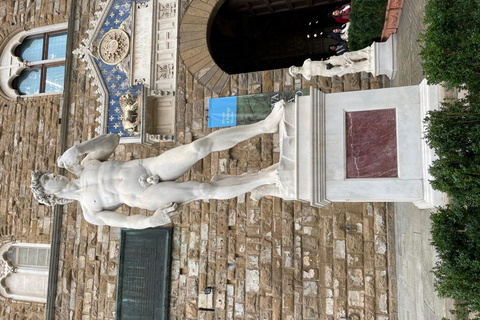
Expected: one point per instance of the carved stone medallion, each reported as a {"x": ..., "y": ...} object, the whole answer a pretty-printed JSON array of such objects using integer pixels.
[{"x": 114, "y": 46}]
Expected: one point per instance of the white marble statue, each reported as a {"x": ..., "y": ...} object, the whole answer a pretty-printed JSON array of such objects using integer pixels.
[
  {"x": 349, "y": 62},
  {"x": 102, "y": 186}
]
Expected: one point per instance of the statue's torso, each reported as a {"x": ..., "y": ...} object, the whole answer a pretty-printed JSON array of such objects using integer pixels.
[{"x": 109, "y": 184}]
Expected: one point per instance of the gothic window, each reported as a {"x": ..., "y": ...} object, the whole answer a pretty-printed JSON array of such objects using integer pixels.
[
  {"x": 24, "y": 271},
  {"x": 29, "y": 257},
  {"x": 45, "y": 55}
]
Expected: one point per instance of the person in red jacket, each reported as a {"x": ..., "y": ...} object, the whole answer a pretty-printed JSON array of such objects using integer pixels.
[{"x": 341, "y": 14}]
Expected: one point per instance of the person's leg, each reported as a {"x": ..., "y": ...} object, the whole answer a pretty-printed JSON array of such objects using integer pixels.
[{"x": 173, "y": 163}]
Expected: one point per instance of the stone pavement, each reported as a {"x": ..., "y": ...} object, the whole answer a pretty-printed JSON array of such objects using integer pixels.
[{"x": 417, "y": 299}]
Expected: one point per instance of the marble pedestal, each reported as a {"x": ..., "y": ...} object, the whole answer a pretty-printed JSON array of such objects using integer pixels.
[
  {"x": 385, "y": 57},
  {"x": 363, "y": 146}
]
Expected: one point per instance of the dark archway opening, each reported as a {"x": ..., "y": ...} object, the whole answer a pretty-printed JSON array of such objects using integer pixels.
[{"x": 246, "y": 40}]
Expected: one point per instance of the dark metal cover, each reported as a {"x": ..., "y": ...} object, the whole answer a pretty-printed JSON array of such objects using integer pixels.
[{"x": 143, "y": 281}]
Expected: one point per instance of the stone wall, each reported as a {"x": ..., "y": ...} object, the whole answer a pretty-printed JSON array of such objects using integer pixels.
[
  {"x": 265, "y": 260},
  {"x": 29, "y": 132}
]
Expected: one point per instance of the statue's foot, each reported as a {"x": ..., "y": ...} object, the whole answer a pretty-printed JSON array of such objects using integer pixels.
[
  {"x": 271, "y": 122},
  {"x": 271, "y": 168},
  {"x": 271, "y": 173}
]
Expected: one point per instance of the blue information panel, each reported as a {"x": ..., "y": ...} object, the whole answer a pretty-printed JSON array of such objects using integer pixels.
[
  {"x": 232, "y": 111},
  {"x": 222, "y": 112}
]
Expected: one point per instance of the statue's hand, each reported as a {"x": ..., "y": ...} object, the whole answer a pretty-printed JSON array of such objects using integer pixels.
[
  {"x": 171, "y": 209},
  {"x": 70, "y": 158},
  {"x": 162, "y": 216}
]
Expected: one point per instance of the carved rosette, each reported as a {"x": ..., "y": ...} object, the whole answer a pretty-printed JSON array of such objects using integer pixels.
[{"x": 114, "y": 46}]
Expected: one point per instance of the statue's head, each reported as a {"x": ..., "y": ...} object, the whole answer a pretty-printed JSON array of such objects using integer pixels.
[
  {"x": 42, "y": 194},
  {"x": 126, "y": 99},
  {"x": 293, "y": 70}
]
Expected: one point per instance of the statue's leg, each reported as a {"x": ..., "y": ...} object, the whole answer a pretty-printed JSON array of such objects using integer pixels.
[
  {"x": 173, "y": 163},
  {"x": 159, "y": 195},
  {"x": 364, "y": 65},
  {"x": 365, "y": 53},
  {"x": 264, "y": 191}
]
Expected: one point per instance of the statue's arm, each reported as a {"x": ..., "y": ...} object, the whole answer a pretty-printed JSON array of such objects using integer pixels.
[
  {"x": 116, "y": 219},
  {"x": 99, "y": 148}
]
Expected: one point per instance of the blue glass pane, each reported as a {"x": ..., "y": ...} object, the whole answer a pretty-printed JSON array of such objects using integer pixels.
[
  {"x": 54, "y": 81},
  {"x": 57, "y": 44},
  {"x": 29, "y": 82},
  {"x": 31, "y": 49}
]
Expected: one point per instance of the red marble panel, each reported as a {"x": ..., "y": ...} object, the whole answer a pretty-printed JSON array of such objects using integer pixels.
[{"x": 371, "y": 144}]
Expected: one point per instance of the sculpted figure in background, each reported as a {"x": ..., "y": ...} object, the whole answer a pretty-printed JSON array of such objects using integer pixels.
[
  {"x": 102, "y": 186},
  {"x": 130, "y": 117},
  {"x": 349, "y": 62}
]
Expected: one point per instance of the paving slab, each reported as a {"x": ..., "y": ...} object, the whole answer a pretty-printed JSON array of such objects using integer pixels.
[
  {"x": 417, "y": 299},
  {"x": 415, "y": 259}
]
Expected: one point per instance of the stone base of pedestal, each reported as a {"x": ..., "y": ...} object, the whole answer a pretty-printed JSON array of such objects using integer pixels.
[
  {"x": 430, "y": 98},
  {"x": 310, "y": 148},
  {"x": 342, "y": 154},
  {"x": 386, "y": 57}
]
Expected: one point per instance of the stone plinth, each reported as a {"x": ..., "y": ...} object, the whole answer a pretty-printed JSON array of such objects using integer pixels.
[
  {"x": 365, "y": 146},
  {"x": 386, "y": 57}
]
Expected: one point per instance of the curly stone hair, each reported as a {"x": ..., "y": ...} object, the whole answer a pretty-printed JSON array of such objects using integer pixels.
[
  {"x": 39, "y": 193},
  {"x": 291, "y": 72}
]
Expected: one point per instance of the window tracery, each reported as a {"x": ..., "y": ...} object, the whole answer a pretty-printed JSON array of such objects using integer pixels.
[
  {"x": 24, "y": 271},
  {"x": 33, "y": 62}
]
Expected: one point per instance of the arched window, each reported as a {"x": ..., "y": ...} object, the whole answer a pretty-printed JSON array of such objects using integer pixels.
[
  {"x": 29, "y": 257},
  {"x": 256, "y": 35},
  {"x": 24, "y": 271},
  {"x": 45, "y": 56},
  {"x": 33, "y": 62}
]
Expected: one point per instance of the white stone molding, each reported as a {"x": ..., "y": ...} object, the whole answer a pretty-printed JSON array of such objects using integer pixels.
[
  {"x": 11, "y": 66},
  {"x": 87, "y": 52},
  {"x": 142, "y": 32},
  {"x": 6, "y": 267},
  {"x": 166, "y": 40},
  {"x": 430, "y": 98},
  {"x": 386, "y": 57}
]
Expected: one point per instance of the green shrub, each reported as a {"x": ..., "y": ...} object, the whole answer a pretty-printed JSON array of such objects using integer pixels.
[
  {"x": 453, "y": 132},
  {"x": 451, "y": 43},
  {"x": 456, "y": 237},
  {"x": 367, "y": 19}
]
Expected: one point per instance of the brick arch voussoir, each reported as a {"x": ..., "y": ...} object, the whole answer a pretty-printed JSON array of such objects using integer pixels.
[{"x": 193, "y": 44}]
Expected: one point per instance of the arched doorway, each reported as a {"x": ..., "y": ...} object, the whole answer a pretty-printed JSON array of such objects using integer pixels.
[{"x": 248, "y": 36}]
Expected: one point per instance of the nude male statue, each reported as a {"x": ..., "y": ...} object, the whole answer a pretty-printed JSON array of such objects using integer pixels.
[
  {"x": 349, "y": 62},
  {"x": 102, "y": 186}
]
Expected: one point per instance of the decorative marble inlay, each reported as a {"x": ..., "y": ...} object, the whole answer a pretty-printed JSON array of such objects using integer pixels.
[
  {"x": 114, "y": 46},
  {"x": 165, "y": 71},
  {"x": 371, "y": 144},
  {"x": 168, "y": 10}
]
